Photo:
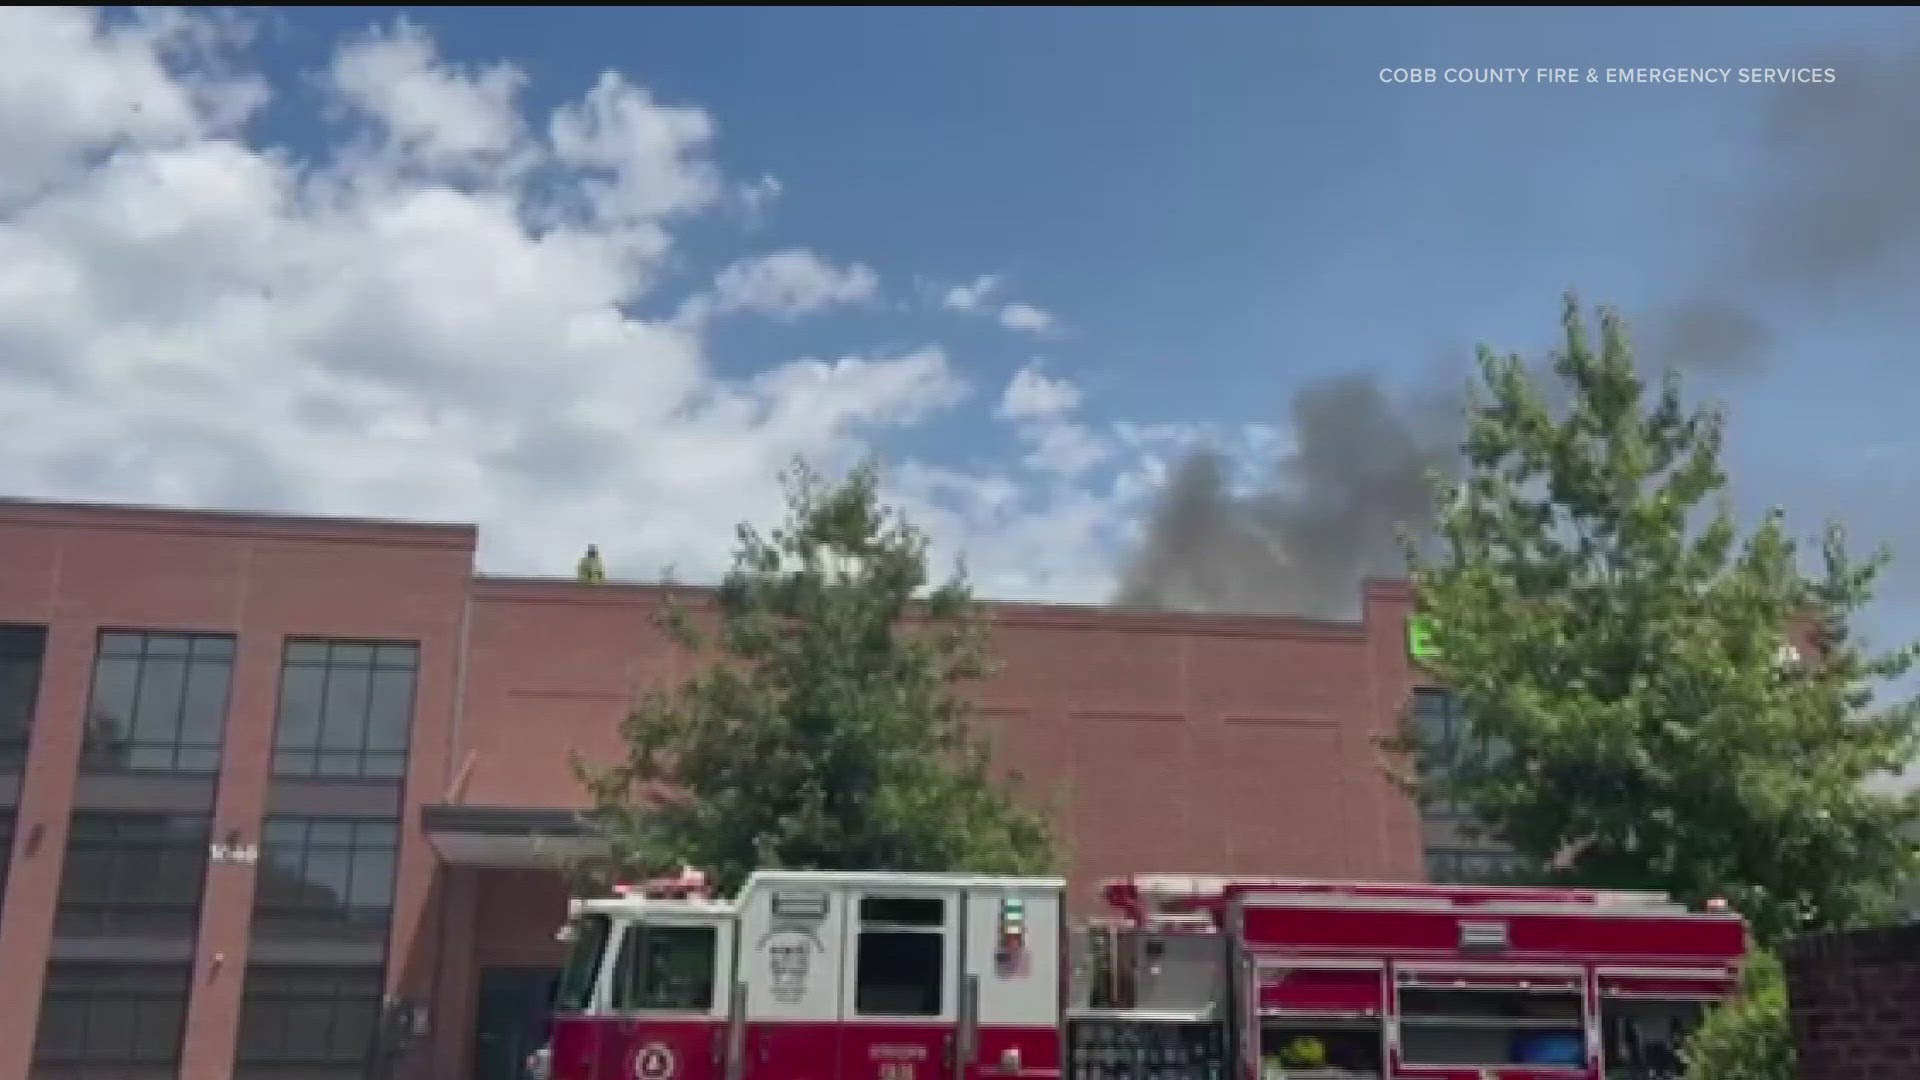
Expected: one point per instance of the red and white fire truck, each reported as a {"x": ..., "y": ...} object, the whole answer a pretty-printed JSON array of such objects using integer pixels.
[{"x": 892, "y": 976}]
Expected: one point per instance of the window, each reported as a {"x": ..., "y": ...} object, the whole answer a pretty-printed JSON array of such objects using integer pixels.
[
  {"x": 133, "y": 873},
  {"x": 669, "y": 968},
  {"x": 1437, "y": 720},
  {"x": 6, "y": 849},
  {"x": 345, "y": 709},
  {"x": 1644, "y": 1039},
  {"x": 113, "y": 1015},
  {"x": 1440, "y": 720},
  {"x": 1467, "y": 866},
  {"x": 159, "y": 702},
  {"x": 321, "y": 1020},
  {"x": 1442, "y": 729},
  {"x": 21, "y": 650},
  {"x": 1533, "y": 1022},
  {"x": 900, "y": 969},
  {"x": 575, "y": 992},
  {"x": 325, "y": 877}
]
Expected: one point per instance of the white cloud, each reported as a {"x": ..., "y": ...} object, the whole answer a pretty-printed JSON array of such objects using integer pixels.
[
  {"x": 70, "y": 87},
  {"x": 968, "y": 298},
  {"x": 1020, "y": 540},
  {"x": 783, "y": 285},
  {"x": 1031, "y": 395},
  {"x": 1041, "y": 408},
  {"x": 434, "y": 315},
  {"x": 1025, "y": 317},
  {"x": 1066, "y": 449},
  {"x": 432, "y": 112},
  {"x": 755, "y": 197},
  {"x": 976, "y": 298}
]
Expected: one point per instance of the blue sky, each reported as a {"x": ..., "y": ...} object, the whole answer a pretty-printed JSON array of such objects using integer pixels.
[{"x": 1213, "y": 206}]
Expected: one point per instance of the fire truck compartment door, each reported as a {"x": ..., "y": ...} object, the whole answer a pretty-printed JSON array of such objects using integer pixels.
[
  {"x": 1655, "y": 985},
  {"x": 793, "y": 944},
  {"x": 669, "y": 999},
  {"x": 1489, "y": 977},
  {"x": 1012, "y": 945},
  {"x": 900, "y": 985},
  {"x": 1320, "y": 988}
]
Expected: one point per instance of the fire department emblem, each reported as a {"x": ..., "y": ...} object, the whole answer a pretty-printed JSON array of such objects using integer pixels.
[
  {"x": 654, "y": 1062},
  {"x": 789, "y": 959}
]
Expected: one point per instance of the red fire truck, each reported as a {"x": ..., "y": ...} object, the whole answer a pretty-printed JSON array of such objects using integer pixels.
[{"x": 891, "y": 976}]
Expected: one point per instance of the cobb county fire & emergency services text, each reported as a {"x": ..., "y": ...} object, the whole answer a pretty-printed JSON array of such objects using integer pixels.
[{"x": 1483, "y": 75}]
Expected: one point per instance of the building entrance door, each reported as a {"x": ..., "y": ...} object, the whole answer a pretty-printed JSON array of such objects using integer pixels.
[{"x": 510, "y": 1022}]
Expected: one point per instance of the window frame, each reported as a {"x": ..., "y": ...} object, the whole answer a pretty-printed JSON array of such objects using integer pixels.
[
  {"x": 343, "y": 992},
  {"x": 947, "y": 982},
  {"x": 8, "y": 817},
  {"x": 635, "y": 935},
  {"x": 286, "y": 755},
  {"x": 114, "y": 912},
  {"x": 1568, "y": 987},
  {"x": 56, "y": 992},
  {"x": 1453, "y": 864},
  {"x": 1440, "y": 755},
  {"x": 586, "y": 958},
  {"x": 318, "y": 920},
  {"x": 14, "y": 748},
  {"x": 98, "y": 759}
]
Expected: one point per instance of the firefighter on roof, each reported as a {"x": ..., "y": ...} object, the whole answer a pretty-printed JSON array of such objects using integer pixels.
[{"x": 591, "y": 571}]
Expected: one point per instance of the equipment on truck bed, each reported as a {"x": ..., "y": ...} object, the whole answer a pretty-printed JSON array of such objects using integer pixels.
[{"x": 829, "y": 975}]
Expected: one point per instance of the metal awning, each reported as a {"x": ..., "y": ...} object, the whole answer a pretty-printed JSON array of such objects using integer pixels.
[{"x": 505, "y": 838}]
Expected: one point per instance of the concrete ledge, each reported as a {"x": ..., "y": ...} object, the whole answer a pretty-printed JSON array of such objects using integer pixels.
[{"x": 506, "y": 838}]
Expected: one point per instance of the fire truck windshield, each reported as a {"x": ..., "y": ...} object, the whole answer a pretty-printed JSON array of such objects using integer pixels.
[{"x": 575, "y": 991}]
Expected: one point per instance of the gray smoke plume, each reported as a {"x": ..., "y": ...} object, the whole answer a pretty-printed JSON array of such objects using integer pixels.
[
  {"x": 1326, "y": 519},
  {"x": 1827, "y": 215},
  {"x": 1824, "y": 222}
]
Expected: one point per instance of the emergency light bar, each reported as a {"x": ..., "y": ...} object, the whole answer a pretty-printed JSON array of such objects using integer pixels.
[
  {"x": 690, "y": 884},
  {"x": 1013, "y": 931}
]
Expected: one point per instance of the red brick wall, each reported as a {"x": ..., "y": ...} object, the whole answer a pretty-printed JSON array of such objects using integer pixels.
[
  {"x": 80, "y": 569},
  {"x": 1170, "y": 743},
  {"x": 1855, "y": 1000},
  {"x": 1173, "y": 743}
]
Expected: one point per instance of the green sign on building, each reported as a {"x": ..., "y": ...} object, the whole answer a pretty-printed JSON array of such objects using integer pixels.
[{"x": 1420, "y": 644}]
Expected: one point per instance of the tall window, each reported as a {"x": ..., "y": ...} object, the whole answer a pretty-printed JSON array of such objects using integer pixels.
[
  {"x": 6, "y": 849},
  {"x": 900, "y": 966},
  {"x": 325, "y": 878},
  {"x": 320, "y": 1021},
  {"x": 1453, "y": 853},
  {"x": 21, "y": 650},
  {"x": 159, "y": 702},
  {"x": 1438, "y": 721},
  {"x": 133, "y": 873},
  {"x": 345, "y": 709},
  {"x": 116, "y": 1018}
]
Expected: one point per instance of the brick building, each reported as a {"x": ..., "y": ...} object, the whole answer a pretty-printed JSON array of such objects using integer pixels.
[
  {"x": 275, "y": 791},
  {"x": 1855, "y": 1003}
]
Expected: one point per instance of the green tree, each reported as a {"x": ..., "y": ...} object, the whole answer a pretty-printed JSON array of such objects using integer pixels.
[
  {"x": 1748, "y": 1036},
  {"x": 1618, "y": 641},
  {"x": 831, "y": 727}
]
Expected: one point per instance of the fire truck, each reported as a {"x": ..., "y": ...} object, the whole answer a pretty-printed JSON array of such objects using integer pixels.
[{"x": 816, "y": 975}]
